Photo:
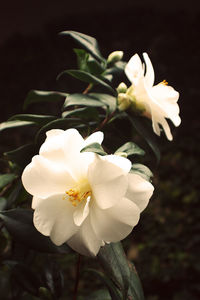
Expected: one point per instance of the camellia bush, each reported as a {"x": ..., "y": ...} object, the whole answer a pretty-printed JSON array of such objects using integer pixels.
[{"x": 78, "y": 185}]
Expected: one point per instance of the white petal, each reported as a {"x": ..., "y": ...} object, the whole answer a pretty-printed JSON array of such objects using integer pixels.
[
  {"x": 81, "y": 212},
  {"x": 134, "y": 69},
  {"x": 122, "y": 162},
  {"x": 42, "y": 179},
  {"x": 96, "y": 137},
  {"x": 139, "y": 190},
  {"x": 85, "y": 240},
  {"x": 53, "y": 217},
  {"x": 166, "y": 97},
  {"x": 115, "y": 223},
  {"x": 149, "y": 76},
  {"x": 108, "y": 182},
  {"x": 35, "y": 201}
]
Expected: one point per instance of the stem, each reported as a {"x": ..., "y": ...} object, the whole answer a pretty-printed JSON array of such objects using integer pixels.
[
  {"x": 77, "y": 277},
  {"x": 87, "y": 89}
]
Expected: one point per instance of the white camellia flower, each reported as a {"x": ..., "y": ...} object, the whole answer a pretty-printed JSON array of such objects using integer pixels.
[
  {"x": 155, "y": 101},
  {"x": 82, "y": 198}
]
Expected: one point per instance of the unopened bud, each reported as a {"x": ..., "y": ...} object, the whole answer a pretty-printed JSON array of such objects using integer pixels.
[
  {"x": 124, "y": 101},
  {"x": 122, "y": 88},
  {"x": 115, "y": 56}
]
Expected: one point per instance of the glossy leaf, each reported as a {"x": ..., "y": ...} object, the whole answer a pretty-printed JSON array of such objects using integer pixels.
[
  {"x": 84, "y": 113},
  {"x": 84, "y": 100},
  {"x": 19, "y": 223},
  {"x": 130, "y": 148},
  {"x": 142, "y": 170},
  {"x": 37, "y": 119},
  {"x": 35, "y": 96},
  {"x": 5, "y": 179},
  {"x": 14, "y": 124},
  {"x": 22, "y": 155},
  {"x": 114, "y": 292},
  {"x": 87, "y": 42},
  {"x": 100, "y": 295},
  {"x": 141, "y": 126},
  {"x": 109, "y": 100},
  {"x": 87, "y": 77},
  {"x": 95, "y": 148}
]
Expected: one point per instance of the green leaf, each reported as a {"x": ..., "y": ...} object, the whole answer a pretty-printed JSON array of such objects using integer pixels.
[
  {"x": 14, "y": 124},
  {"x": 100, "y": 295},
  {"x": 114, "y": 293},
  {"x": 35, "y": 96},
  {"x": 22, "y": 155},
  {"x": 80, "y": 99},
  {"x": 82, "y": 58},
  {"x": 2, "y": 203},
  {"x": 114, "y": 262},
  {"x": 53, "y": 278},
  {"x": 95, "y": 148},
  {"x": 87, "y": 42},
  {"x": 84, "y": 113},
  {"x": 142, "y": 127},
  {"x": 87, "y": 77},
  {"x": 19, "y": 223},
  {"x": 142, "y": 170},
  {"x": 109, "y": 100},
  {"x": 5, "y": 179},
  {"x": 25, "y": 278},
  {"x": 37, "y": 119},
  {"x": 87, "y": 63},
  {"x": 135, "y": 288},
  {"x": 130, "y": 148}
]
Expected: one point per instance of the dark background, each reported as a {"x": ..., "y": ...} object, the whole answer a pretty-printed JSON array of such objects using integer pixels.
[{"x": 165, "y": 246}]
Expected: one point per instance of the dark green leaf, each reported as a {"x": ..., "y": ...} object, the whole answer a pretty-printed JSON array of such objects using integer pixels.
[
  {"x": 35, "y": 96},
  {"x": 142, "y": 170},
  {"x": 14, "y": 124},
  {"x": 87, "y": 42},
  {"x": 25, "y": 278},
  {"x": 109, "y": 100},
  {"x": 114, "y": 293},
  {"x": 117, "y": 69},
  {"x": 130, "y": 148},
  {"x": 80, "y": 99},
  {"x": 2, "y": 203},
  {"x": 37, "y": 119},
  {"x": 14, "y": 194},
  {"x": 19, "y": 223},
  {"x": 114, "y": 262},
  {"x": 84, "y": 113},
  {"x": 22, "y": 155},
  {"x": 87, "y": 77},
  {"x": 135, "y": 289},
  {"x": 54, "y": 279},
  {"x": 94, "y": 67},
  {"x": 82, "y": 58},
  {"x": 94, "y": 147},
  {"x": 5, "y": 179},
  {"x": 139, "y": 123},
  {"x": 100, "y": 295}
]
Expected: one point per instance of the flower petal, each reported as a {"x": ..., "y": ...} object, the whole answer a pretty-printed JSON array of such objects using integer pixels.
[
  {"x": 134, "y": 69},
  {"x": 115, "y": 223},
  {"x": 96, "y": 137},
  {"x": 85, "y": 240},
  {"x": 81, "y": 212},
  {"x": 139, "y": 190},
  {"x": 53, "y": 217},
  {"x": 122, "y": 162},
  {"x": 42, "y": 179},
  {"x": 108, "y": 182},
  {"x": 149, "y": 76}
]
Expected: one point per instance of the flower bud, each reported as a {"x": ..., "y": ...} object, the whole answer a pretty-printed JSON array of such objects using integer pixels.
[
  {"x": 115, "y": 56},
  {"x": 122, "y": 88},
  {"x": 124, "y": 101}
]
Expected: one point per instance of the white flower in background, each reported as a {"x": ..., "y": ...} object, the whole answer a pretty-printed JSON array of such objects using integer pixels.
[
  {"x": 82, "y": 198},
  {"x": 153, "y": 101}
]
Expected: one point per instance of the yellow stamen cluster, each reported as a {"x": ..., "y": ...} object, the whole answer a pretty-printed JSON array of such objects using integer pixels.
[
  {"x": 164, "y": 82},
  {"x": 78, "y": 194}
]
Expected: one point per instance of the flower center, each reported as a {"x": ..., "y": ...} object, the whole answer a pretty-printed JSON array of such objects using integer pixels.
[
  {"x": 164, "y": 82},
  {"x": 80, "y": 192}
]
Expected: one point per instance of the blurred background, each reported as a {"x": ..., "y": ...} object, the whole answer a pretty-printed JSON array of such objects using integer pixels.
[{"x": 165, "y": 245}]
